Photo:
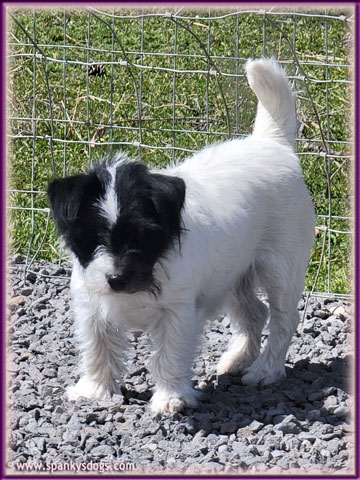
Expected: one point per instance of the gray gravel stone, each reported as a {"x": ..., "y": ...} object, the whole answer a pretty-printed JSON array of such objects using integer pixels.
[
  {"x": 321, "y": 313},
  {"x": 31, "y": 277},
  {"x": 255, "y": 426},
  {"x": 102, "y": 451},
  {"x": 26, "y": 291},
  {"x": 17, "y": 258},
  {"x": 341, "y": 411}
]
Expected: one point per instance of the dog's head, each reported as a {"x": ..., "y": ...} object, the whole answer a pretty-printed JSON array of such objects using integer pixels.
[{"x": 119, "y": 220}]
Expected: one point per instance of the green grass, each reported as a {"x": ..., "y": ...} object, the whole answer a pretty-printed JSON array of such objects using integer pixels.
[{"x": 106, "y": 111}]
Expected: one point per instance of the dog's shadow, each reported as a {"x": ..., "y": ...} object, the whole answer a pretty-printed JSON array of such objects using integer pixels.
[{"x": 304, "y": 393}]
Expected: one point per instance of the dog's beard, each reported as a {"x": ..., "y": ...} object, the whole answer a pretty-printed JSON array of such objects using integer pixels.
[
  {"x": 95, "y": 273},
  {"x": 134, "y": 279}
]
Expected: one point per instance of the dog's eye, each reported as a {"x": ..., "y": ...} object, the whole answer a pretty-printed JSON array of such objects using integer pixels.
[
  {"x": 152, "y": 234},
  {"x": 152, "y": 240}
]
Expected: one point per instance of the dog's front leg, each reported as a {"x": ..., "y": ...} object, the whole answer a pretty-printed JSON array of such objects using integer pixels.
[
  {"x": 174, "y": 340},
  {"x": 102, "y": 357}
]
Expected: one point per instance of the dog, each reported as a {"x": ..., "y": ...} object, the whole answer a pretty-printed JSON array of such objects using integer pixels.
[{"x": 166, "y": 250}]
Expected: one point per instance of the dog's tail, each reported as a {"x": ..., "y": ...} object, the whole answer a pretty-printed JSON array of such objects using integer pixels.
[{"x": 276, "y": 117}]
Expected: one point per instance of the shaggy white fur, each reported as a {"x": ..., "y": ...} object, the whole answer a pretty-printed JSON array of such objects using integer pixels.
[{"x": 249, "y": 222}]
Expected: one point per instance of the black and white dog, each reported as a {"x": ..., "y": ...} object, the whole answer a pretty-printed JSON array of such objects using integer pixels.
[{"x": 166, "y": 250}]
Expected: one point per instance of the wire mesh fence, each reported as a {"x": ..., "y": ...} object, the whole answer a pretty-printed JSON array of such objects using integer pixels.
[{"x": 162, "y": 83}]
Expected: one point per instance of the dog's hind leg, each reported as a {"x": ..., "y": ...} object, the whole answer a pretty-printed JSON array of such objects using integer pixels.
[
  {"x": 284, "y": 282},
  {"x": 247, "y": 316}
]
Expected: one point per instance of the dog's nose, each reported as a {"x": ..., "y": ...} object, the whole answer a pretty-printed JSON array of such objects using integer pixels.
[{"x": 116, "y": 282}]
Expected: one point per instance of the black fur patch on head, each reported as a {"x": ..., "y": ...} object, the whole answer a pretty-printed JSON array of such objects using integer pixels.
[
  {"x": 150, "y": 207},
  {"x": 148, "y": 223},
  {"x": 73, "y": 201}
]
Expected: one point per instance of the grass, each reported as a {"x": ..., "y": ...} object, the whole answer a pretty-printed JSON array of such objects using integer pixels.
[{"x": 66, "y": 102}]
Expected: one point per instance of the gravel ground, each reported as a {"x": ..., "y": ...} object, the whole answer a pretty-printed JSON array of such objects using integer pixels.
[{"x": 301, "y": 424}]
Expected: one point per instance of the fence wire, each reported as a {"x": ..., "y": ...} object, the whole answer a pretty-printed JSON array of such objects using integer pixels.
[{"x": 161, "y": 84}]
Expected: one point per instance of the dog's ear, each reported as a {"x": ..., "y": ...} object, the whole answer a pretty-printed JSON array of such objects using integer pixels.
[
  {"x": 67, "y": 195},
  {"x": 168, "y": 198}
]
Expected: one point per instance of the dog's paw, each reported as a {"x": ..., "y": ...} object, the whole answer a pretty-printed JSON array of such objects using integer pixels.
[
  {"x": 257, "y": 374},
  {"x": 87, "y": 388},
  {"x": 235, "y": 362},
  {"x": 169, "y": 402}
]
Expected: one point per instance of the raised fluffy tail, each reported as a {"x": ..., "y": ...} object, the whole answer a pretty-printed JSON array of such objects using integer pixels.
[{"x": 275, "y": 117}]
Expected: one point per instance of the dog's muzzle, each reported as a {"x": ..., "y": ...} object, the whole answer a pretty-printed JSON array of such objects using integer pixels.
[{"x": 117, "y": 283}]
